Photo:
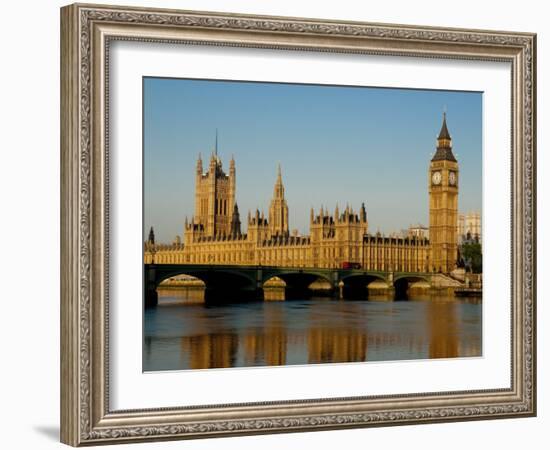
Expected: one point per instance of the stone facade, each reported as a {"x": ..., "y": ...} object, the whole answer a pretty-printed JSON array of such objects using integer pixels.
[
  {"x": 469, "y": 227},
  {"x": 337, "y": 239},
  {"x": 214, "y": 196},
  {"x": 443, "y": 193}
]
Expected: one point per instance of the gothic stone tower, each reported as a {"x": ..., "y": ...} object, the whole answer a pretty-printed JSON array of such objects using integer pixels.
[
  {"x": 278, "y": 209},
  {"x": 443, "y": 193},
  {"x": 214, "y": 196},
  {"x": 236, "y": 222}
]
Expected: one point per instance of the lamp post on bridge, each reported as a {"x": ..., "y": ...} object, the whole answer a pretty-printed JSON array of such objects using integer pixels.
[
  {"x": 150, "y": 288},
  {"x": 341, "y": 289}
]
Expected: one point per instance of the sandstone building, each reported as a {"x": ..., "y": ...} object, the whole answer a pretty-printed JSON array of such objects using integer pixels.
[
  {"x": 336, "y": 239},
  {"x": 469, "y": 227}
]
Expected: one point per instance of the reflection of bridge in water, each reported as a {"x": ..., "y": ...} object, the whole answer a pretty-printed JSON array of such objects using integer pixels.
[{"x": 231, "y": 282}]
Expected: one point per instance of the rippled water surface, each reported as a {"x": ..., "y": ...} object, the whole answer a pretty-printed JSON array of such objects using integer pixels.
[{"x": 318, "y": 330}]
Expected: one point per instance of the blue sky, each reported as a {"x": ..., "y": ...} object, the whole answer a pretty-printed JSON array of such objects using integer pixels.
[{"x": 334, "y": 143}]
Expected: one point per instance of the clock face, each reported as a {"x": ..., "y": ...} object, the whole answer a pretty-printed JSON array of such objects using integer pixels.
[
  {"x": 452, "y": 178},
  {"x": 436, "y": 177}
]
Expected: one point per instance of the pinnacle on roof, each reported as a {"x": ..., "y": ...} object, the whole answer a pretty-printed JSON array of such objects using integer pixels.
[
  {"x": 444, "y": 150},
  {"x": 444, "y": 133}
]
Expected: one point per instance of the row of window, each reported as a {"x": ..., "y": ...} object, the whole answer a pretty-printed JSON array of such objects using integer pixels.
[
  {"x": 381, "y": 258},
  {"x": 221, "y": 207}
]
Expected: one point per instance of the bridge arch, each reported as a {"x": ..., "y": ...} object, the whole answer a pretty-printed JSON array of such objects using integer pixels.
[
  {"x": 405, "y": 284},
  {"x": 297, "y": 282},
  {"x": 311, "y": 274},
  {"x": 181, "y": 288},
  {"x": 166, "y": 276},
  {"x": 205, "y": 275},
  {"x": 221, "y": 285},
  {"x": 417, "y": 276},
  {"x": 363, "y": 275},
  {"x": 356, "y": 285}
]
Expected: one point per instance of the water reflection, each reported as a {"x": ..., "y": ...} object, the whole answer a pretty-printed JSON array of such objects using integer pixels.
[
  {"x": 336, "y": 345},
  {"x": 170, "y": 295},
  {"x": 209, "y": 350},
  {"x": 183, "y": 335}
]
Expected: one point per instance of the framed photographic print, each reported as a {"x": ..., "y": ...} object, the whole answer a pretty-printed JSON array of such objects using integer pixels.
[{"x": 276, "y": 224}]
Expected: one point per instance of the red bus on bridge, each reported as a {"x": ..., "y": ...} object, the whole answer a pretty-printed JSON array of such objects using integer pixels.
[{"x": 351, "y": 265}]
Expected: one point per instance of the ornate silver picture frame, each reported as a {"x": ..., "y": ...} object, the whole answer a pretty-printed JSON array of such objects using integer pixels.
[{"x": 87, "y": 32}]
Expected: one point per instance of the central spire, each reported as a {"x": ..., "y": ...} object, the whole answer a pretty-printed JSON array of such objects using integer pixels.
[
  {"x": 278, "y": 209},
  {"x": 279, "y": 189}
]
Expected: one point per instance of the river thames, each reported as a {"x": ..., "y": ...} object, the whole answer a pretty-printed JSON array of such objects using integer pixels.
[{"x": 181, "y": 335}]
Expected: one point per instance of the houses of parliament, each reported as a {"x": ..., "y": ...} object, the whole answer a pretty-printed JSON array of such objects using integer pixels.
[{"x": 339, "y": 238}]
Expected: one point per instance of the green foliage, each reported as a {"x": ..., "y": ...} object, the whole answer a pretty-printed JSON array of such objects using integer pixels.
[{"x": 471, "y": 252}]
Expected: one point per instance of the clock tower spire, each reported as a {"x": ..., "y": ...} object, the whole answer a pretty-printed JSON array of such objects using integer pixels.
[{"x": 443, "y": 193}]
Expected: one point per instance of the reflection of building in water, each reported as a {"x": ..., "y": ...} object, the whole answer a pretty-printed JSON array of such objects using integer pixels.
[
  {"x": 276, "y": 334},
  {"x": 269, "y": 342},
  {"x": 336, "y": 345},
  {"x": 208, "y": 351},
  {"x": 380, "y": 341},
  {"x": 214, "y": 236},
  {"x": 470, "y": 347},
  {"x": 469, "y": 227},
  {"x": 268, "y": 347},
  {"x": 443, "y": 329}
]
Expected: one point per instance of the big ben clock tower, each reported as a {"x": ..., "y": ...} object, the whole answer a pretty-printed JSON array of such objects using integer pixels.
[{"x": 443, "y": 190}]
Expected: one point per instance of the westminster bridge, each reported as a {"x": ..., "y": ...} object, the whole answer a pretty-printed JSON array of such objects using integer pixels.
[{"x": 247, "y": 282}]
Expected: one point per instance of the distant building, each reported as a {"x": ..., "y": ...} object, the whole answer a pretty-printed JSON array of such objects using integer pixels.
[
  {"x": 419, "y": 231},
  {"x": 469, "y": 227}
]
